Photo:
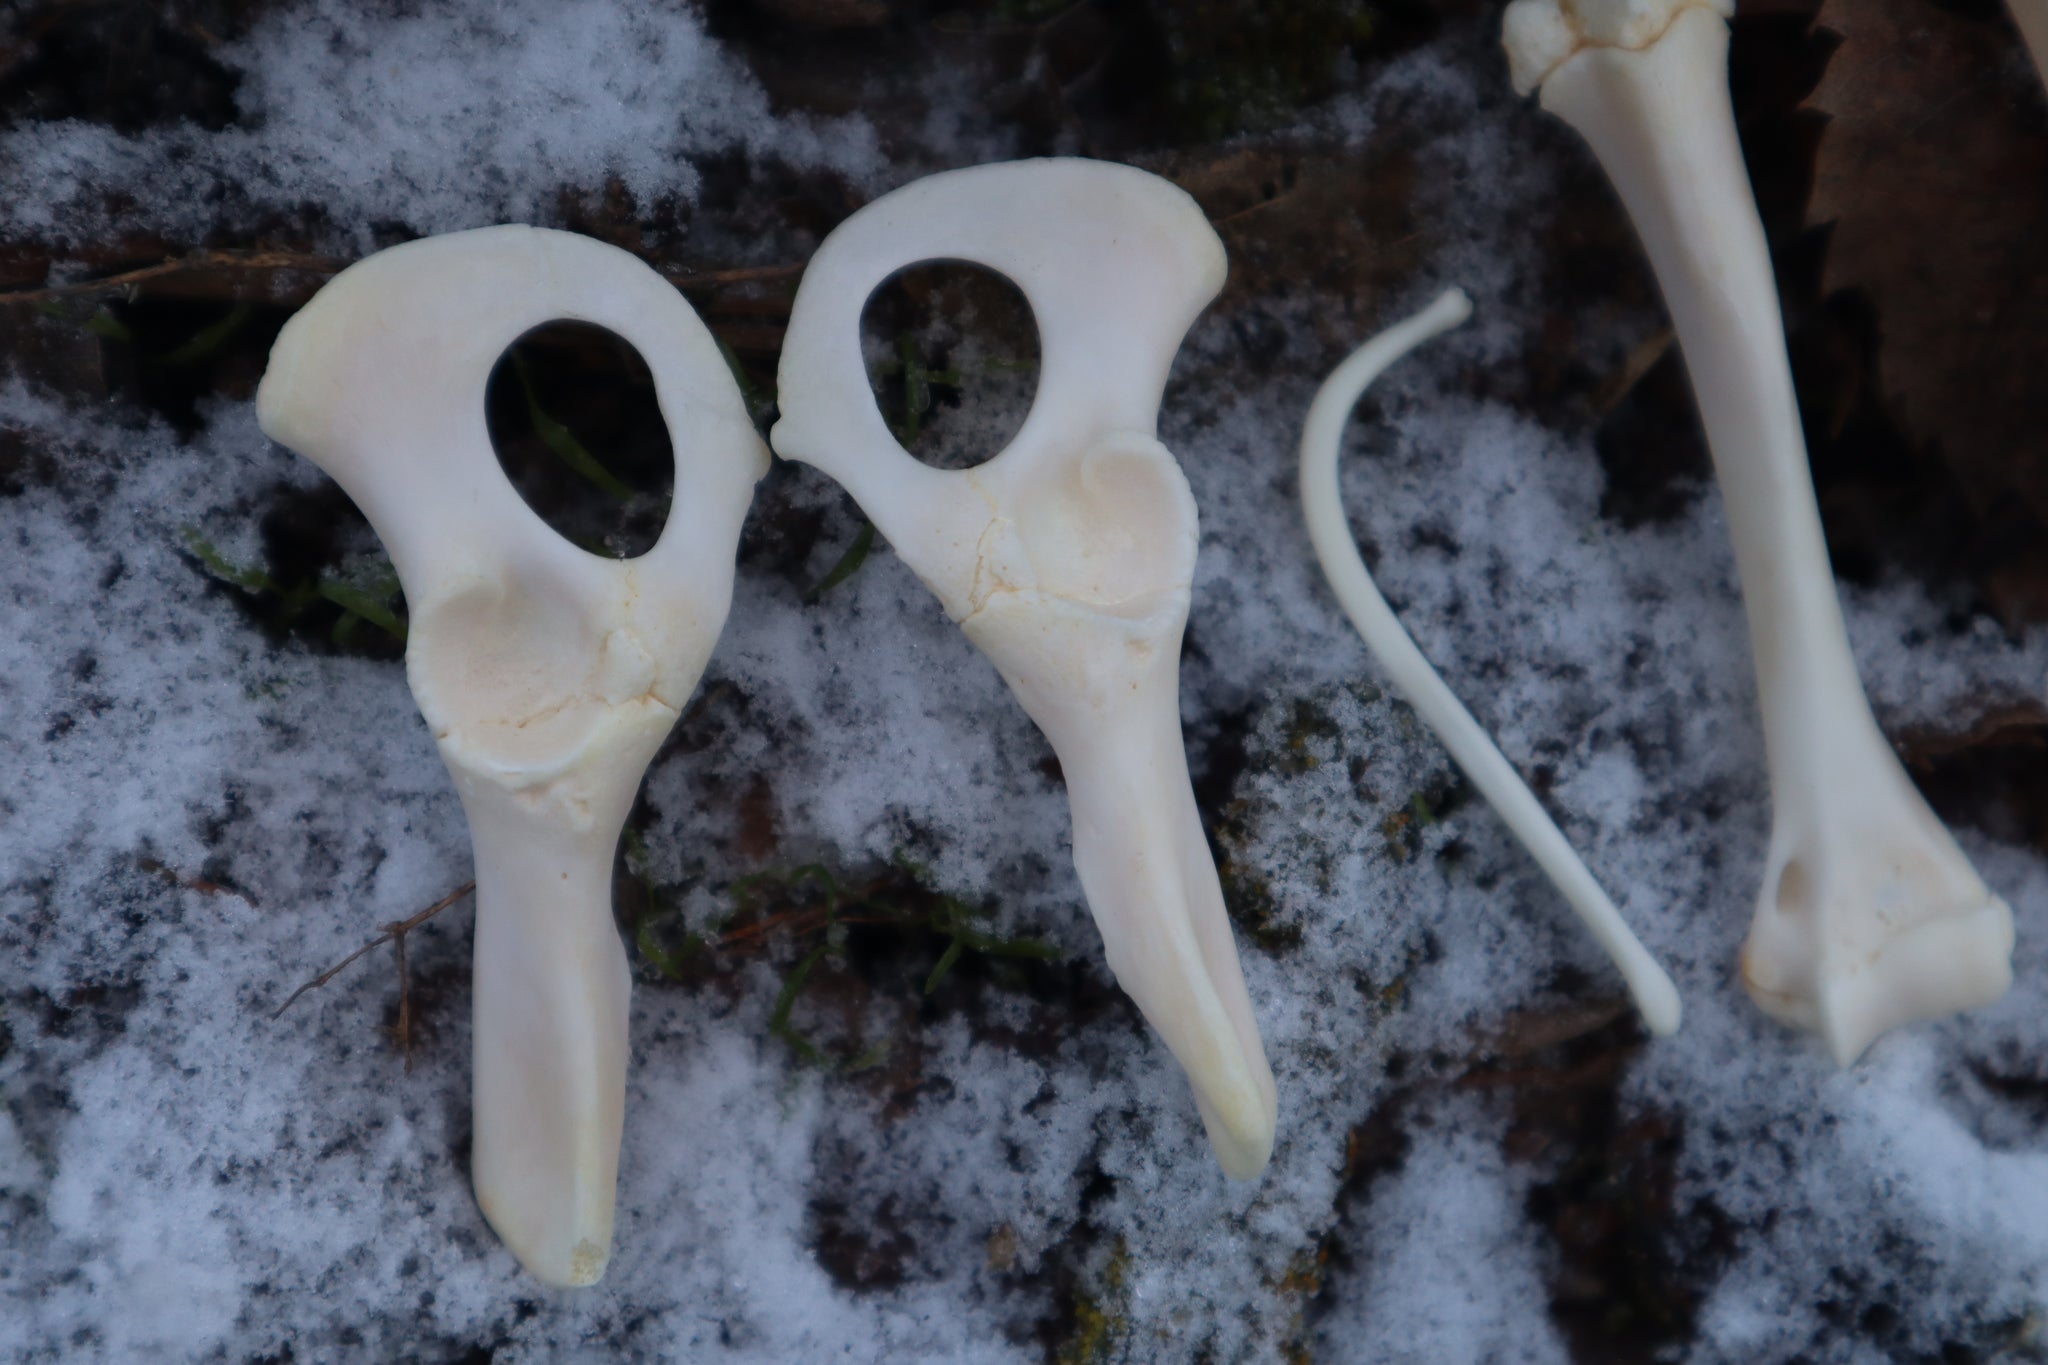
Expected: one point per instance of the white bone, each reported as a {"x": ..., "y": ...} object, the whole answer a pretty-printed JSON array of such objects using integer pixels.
[
  {"x": 1067, "y": 558},
  {"x": 548, "y": 675},
  {"x": 1870, "y": 916},
  {"x": 1322, "y": 505}
]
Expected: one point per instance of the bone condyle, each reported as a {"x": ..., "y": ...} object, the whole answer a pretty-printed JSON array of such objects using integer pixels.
[
  {"x": 1870, "y": 916},
  {"x": 548, "y": 675},
  {"x": 1323, "y": 509},
  {"x": 1068, "y": 557}
]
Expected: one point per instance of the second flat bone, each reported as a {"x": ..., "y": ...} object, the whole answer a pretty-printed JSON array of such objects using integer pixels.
[
  {"x": 1870, "y": 915},
  {"x": 549, "y": 675},
  {"x": 1068, "y": 557}
]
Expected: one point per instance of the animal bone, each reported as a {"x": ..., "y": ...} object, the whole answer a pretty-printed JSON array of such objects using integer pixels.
[
  {"x": 1067, "y": 558},
  {"x": 1322, "y": 506},
  {"x": 548, "y": 675},
  {"x": 1870, "y": 916}
]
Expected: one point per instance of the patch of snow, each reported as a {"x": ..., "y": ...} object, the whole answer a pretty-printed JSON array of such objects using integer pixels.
[{"x": 182, "y": 1176}]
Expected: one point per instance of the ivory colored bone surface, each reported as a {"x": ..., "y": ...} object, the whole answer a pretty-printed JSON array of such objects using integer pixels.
[
  {"x": 1067, "y": 558},
  {"x": 548, "y": 675},
  {"x": 1870, "y": 916},
  {"x": 1322, "y": 504}
]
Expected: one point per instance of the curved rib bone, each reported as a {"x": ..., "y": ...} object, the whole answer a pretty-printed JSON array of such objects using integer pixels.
[
  {"x": 1322, "y": 505},
  {"x": 548, "y": 675},
  {"x": 1067, "y": 558},
  {"x": 1870, "y": 915}
]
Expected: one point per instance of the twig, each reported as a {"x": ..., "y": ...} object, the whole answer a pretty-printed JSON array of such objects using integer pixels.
[
  {"x": 401, "y": 1028},
  {"x": 206, "y": 886},
  {"x": 395, "y": 931},
  {"x": 192, "y": 263},
  {"x": 704, "y": 279},
  {"x": 197, "y": 262}
]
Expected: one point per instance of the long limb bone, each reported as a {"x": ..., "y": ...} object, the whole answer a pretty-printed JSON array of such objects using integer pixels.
[{"x": 1870, "y": 916}]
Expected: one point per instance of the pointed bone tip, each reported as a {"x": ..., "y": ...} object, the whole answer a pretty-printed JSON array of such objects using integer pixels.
[
  {"x": 1452, "y": 307},
  {"x": 583, "y": 1266},
  {"x": 587, "y": 1263},
  {"x": 1243, "y": 1156},
  {"x": 1241, "y": 1134},
  {"x": 1657, "y": 1001}
]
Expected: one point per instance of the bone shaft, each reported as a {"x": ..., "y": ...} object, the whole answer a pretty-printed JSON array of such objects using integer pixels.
[
  {"x": 1144, "y": 863},
  {"x": 1661, "y": 124},
  {"x": 551, "y": 994}
]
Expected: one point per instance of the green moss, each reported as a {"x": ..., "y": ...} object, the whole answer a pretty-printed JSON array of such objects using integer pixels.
[
  {"x": 814, "y": 909},
  {"x": 1102, "y": 1320},
  {"x": 1240, "y": 65},
  {"x": 1307, "y": 723},
  {"x": 365, "y": 592},
  {"x": 1248, "y": 893},
  {"x": 1302, "y": 1282}
]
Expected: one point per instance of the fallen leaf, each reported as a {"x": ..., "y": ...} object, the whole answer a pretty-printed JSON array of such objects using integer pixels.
[{"x": 1933, "y": 172}]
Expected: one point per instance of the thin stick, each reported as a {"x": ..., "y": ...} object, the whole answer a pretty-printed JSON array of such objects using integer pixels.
[
  {"x": 196, "y": 262},
  {"x": 193, "y": 262},
  {"x": 398, "y": 929},
  {"x": 401, "y": 1031},
  {"x": 685, "y": 279}
]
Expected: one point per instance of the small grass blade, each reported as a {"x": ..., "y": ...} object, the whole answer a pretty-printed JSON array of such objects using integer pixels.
[
  {"x": 248, "y": 579},
  {"x": 356, "y": 602},
  {"x": 209, "y": 340},
  {"x": 848, "y": 565},
  {"x": 946, "y": 961},
  {"x": 563, "y": 442}
]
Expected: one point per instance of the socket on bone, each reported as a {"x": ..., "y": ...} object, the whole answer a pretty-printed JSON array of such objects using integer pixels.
[
  {"x": 548, "y": 675},
  {"x": 1067, "y": 558}
]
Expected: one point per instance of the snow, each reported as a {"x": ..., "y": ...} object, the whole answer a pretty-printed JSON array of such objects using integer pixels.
[
  {"x": 456, "y": 116},
  {"x": 184, "y": 1177}
]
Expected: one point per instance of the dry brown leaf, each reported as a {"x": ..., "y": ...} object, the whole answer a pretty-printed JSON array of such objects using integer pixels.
[{"x": 1933, "y": 170}]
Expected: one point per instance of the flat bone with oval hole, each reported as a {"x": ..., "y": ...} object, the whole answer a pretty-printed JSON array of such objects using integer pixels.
[
  {"x": 1068, "y": 557},
  {"x": 549, "y": 675},
  {"x": 1870, "y": 915}
]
